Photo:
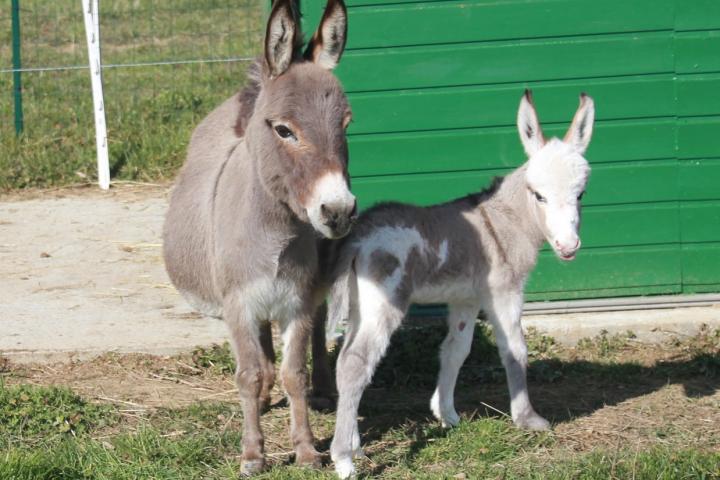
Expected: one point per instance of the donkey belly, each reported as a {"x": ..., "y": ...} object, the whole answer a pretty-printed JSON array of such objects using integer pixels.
[{"x": 187, "y": 233}]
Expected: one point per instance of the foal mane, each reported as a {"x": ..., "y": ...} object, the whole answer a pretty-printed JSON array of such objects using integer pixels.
[{"x": 475, "y": 199}]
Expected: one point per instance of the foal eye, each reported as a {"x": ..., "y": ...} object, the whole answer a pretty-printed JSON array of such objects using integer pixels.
[
  {"x": 580, "y": 196},
  {"x": 539, "y": 197},
  {"x": 284, "y": 132}
]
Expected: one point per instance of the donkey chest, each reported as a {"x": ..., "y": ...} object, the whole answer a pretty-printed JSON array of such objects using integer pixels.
[{"x": 272, "y": 299}]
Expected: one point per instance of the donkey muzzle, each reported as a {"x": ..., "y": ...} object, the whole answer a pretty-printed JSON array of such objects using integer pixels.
[
  {"x": 339, "y": 218},
  {"x": 332, "y": 209}
]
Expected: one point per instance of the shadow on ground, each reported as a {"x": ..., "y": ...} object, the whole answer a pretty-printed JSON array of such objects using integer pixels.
[{"x": 561, "y": 389}]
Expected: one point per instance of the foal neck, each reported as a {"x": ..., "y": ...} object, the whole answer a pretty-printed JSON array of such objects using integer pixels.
[{"x": 514, "y": 216}]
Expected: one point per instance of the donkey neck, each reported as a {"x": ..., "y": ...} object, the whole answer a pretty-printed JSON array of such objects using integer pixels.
[{"x": 262, "y": 213}]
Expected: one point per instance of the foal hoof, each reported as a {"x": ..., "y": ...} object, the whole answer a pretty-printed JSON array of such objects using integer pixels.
[
  {"x": 322, "y": 403},
  {"x": 248, "y": 468},
  {"x": 448, "y": 416},
  {"x": 532, "y": 421},
  {"x": 344, "y": 468}
]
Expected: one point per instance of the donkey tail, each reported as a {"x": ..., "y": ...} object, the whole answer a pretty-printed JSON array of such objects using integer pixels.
[{"x": 341, "y": 291}]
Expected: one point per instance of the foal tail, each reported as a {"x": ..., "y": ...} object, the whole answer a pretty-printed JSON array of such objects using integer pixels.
[{"x": 341, "y": 291}]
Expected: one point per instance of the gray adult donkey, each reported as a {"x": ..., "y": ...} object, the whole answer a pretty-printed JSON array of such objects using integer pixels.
[
  {"x": 264, "y": 181},
  {"x": 472, "y": 253}
]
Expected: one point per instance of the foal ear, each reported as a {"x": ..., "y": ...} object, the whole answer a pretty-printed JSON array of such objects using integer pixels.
[
  {"x": 328, "y": 43},
  {"x": 281, "y": 36},
  {"x": 528, "y": 125},
  {"x": 580, "y": 131}
]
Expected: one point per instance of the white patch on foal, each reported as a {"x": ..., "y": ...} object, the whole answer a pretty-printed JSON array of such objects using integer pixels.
[
  {"x": 443, "y": 253},
  {"x": 331, "y": 190}
]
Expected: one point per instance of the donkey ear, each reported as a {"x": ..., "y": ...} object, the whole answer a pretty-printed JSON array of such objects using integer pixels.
[
  {"x": 580, "y": 131},
  {"x": 529, "y": 126},
  {"x": 281, "y": 37},
  {"x": 327, "y": 45}
]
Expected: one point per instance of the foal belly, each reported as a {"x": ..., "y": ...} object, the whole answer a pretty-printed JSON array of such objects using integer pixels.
[{"x": 444, "y": 292}]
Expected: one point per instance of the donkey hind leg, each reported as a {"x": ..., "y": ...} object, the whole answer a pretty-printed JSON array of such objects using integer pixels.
[
  {"x": 249, "y": 380},
  {"x": 267, "y": 363},
  {"x": 453, "y": 352},
  {"x": 504, "y": 311},
  {"x": 323, "y": 389},
  {"x": 293, "y": 372},
  {"x": 373, "y": 326}
]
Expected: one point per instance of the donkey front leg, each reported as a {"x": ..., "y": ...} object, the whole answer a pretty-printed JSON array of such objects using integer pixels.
[
  {"x": 249, "y": 379},
  {"x": 293, "y": 372},
  {"x": 267, "y": 362},
  {"x": 453, "y": 352},
  {"x": 504, "y": 312},
  {"x": 322, "y": 382}
]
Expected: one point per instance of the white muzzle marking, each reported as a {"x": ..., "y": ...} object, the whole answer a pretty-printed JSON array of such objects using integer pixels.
[{"x": 332, "y": 191}]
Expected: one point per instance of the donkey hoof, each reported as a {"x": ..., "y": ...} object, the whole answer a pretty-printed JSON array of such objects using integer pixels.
[
  {"x": 322, "y": 403},
  {"x": 308, "y": 457},
  {"x": 248, "y": 468},
  {"x": 345, "y": 468},
  {"x": 532, "y": 421}
]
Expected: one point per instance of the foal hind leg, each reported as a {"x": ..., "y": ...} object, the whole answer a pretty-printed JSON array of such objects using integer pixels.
[
  {"x": 321, "y": 397},
  {"x": 453, "y": 352},
  {"x": 267, "y": 364},
  {"x": 365, "y": 346},
  {"x": 249, "y": 379},
  {"x": 504, "y": 311},
  {"x": 293, "y": 372}
]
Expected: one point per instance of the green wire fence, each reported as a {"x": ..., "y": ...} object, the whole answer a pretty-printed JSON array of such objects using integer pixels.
[{"x": 165, "y": 64}]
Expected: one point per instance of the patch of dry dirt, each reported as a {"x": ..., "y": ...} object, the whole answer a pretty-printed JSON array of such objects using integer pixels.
[{"x": 82, "y": 274}]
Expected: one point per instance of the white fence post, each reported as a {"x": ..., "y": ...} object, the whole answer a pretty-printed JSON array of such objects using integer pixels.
[{"x": 92, "y": 32}]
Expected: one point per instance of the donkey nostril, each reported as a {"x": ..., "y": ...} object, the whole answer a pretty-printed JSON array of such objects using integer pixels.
[
  {"x": 324, "y": 210},
  {"x": 353, "y": 212}
]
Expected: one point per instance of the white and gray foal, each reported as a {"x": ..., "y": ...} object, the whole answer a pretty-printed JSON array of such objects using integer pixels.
[{"x": 472, "y": 253}]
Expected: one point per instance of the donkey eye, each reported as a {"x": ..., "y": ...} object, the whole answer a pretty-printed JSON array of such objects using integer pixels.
[
  {"x": 284, "y": 132},
  {"x": 539, "y": 197},
  {"x": 580, "y": 196}
]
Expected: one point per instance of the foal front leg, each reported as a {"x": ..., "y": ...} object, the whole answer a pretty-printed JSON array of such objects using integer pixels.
[
  {"x": 453, "y": 352},
  {"x": 293, "y": 372},
  {"x": 504, "y": 311}
]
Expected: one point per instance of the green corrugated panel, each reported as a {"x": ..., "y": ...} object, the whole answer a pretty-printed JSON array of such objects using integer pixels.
[{"x": 435, "y": 86}]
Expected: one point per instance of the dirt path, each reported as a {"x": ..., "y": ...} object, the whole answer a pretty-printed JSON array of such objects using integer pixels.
[{"x": 82, "y": 274}]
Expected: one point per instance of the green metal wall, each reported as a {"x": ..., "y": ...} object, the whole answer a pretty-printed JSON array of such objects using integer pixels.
[{"x": 435, "y": 86}]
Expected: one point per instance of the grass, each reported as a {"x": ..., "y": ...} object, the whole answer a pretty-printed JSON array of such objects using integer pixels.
[
  {"x": 150, "y": 110},
  {"x": 53, "y": 432}
]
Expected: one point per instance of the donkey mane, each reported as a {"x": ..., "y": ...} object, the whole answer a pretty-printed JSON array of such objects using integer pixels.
[
  {"x": 249, "y": 94},
  {"x": 257, "y": 71}
]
